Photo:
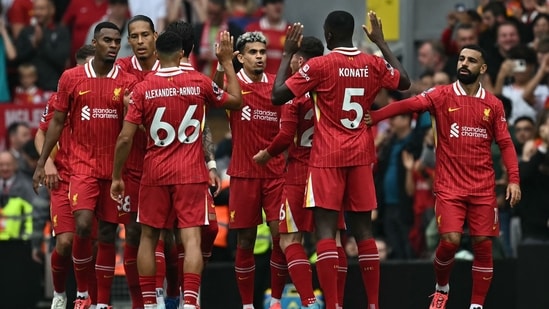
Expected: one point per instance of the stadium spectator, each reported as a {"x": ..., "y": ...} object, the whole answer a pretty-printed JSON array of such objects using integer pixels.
[
  {"x": 27, "y": 93},
  {"x": 20, "y": 15},
  {"x": 8, "y": 52},
  {"x": 117, "y": 13}
]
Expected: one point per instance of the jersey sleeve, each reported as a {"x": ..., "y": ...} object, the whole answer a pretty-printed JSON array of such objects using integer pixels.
[
  {"x": 419, "y": 103},
  {"x": 505, "y": 143},
  {"x": 48, "y": 113},
  {"x": 388, "y": 76},
  {"x": 307, "y": 78},
  {"x": 136, "y": 105},
  {"x": 214, "y": 94},
  {"x": 288, "y": 128},
  {"x": 64, "y": 93}
]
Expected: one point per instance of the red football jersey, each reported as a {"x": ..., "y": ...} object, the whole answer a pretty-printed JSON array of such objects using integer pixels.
[
  {"x": 299, "y": 111},
  {"x": 171, "y": 105},
  {"x": 253, "y": 128},
  {"x": 95, "y": 110},
  {"x": 465, "y": 127},
  {"x": 135, "y": 159},
  {"x": 61, "y": 158},
  {"x": 345, "y": 83},
  {"x": 276, "y": 36}
]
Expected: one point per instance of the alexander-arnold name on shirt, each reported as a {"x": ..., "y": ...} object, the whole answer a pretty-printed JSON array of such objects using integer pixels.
[{"x": 171, "y": 92}]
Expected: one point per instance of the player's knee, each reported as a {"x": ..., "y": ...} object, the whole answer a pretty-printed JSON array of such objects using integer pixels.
[
  {"x": 63, "y": 244},
  {"x": 133, "y": 232},
  {"x": 453, "y": 238},
  {"x": 288, "y": 239}
]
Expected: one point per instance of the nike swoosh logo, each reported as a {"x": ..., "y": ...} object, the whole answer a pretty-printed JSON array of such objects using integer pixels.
[
  {"x": 107, "y": 277},
  {"x": 79, "y": 269},
  {"x": 120, "y": 214},
  {"x": 453, "y": 109},
  {"x": 83, "y": 92},
  {"x": 486, "y": 278},
  {"x": 245, "y": 92},
  {"x": 242, "y": 278}
]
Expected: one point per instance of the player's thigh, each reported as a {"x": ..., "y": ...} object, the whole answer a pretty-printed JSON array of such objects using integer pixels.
[
  {"x": 271, "y": 192},
  {"x": 450, "y": 212},
  {"x": 60, "y": 210},
  {"x": 84, "y": 192},
  {"x": 155, "y": 206},
  {"x": 482, "y": 216},
  {"x": 294, "y": 217},
  {"x": 325, "y": 187},
  {"x": 191, "y": 203},
  {"x": 132, "y": 183},
  {"x": 360, "y": 192},
  {"x": 244, "y": 203}
]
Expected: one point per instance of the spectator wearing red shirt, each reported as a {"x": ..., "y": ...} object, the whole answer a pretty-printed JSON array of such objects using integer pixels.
[{"x": 19, "y": 16}]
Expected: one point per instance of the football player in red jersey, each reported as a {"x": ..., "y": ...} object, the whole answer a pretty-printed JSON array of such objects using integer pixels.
[
  {"x": 468, "y": 119},
  {"x": 345, "y": 83},
  {"x": 92, "y": 97},
  {"x": 170, "y": 104}
]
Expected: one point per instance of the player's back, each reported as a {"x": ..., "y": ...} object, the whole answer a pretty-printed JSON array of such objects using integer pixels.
[
  {"x": 253, "y": 127},
  {"x": 173, "y": 113},
  {"x": 465, "y": 126},
  {"x": 347, "y": 82}
]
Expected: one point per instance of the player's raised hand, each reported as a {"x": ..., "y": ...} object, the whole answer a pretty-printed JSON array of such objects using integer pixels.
[
  {"x": 117, "y": 190},
  {"x": 375, "y": 33},
  {"x": 262, "y": 157},
  {"x": 368, "y": 119},
  {"x": 224, "y": 50},
  {"x": 513, "y": 194},
  {"x": 294, "y": 35}
]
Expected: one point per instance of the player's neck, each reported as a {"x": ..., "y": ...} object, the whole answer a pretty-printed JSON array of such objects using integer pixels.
[
  {"x": 470, "y": 89},
  {"x": 345, "y": 44},
  {"x": 169, "y": 63},
  {"x": 253, "y": 76},
  {"x": 101, "y": 67},
  {"x": 184, "y": 60},
  {"x": 147, "y": 64}
]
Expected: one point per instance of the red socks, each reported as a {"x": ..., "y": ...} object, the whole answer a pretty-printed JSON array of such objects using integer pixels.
[
  {"x": 104, "y": 271},
  {"x": 132, "y": 275},
  {"x": 300, "y": 272},
  {"x": 279, "y": 269},
  {"x": 482, "y": 271},
  {"x": 327, "y": 265},
  {"x": 244, "y": 267},
  {"x": 341, "y": 275},
  {"x": 160, "y": 260},
  {"x": 83, "y": 261},
  {"x": 444, "y": 261},
  {"x": 59, "y": 268},
  {"x": 192, "y": 284},
  {"x": 148, "y": 289},
  {"x": 368, "y": 259}
]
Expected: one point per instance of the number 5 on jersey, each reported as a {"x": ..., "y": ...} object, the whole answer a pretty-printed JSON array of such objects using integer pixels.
[{"x": 348, "y": 105}]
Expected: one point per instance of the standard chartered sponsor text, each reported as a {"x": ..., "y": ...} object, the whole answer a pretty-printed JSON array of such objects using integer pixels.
[
  {"x": 105, "y": 113},
  {"x": 474, "y": 132},
  {"x": 265, "y": 115}
]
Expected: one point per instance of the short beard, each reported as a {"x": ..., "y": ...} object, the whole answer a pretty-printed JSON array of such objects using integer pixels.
[
  {"x": 467, "y": 79},
  {"x": 258, "y": 71},
  {"x": 110, "y": 60}
]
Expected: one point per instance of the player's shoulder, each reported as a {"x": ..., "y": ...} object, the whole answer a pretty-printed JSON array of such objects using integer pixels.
[
  {"x": 270, "y": 77},
  {"x": 124, "y": 63},
  {"x": 75, "y": 72}
]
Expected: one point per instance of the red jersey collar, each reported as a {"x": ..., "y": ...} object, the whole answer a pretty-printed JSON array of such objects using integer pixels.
[
  {"x": 246, "y": 79},
  {"x": 186, "y": 66},
  {"x": 90, "y": 73},
  {"x": 137, "y": 66},
  {"x": 481, "y": 93},
  {"x": 347, "y": 51},
  {"x": 168, "y": 72}
]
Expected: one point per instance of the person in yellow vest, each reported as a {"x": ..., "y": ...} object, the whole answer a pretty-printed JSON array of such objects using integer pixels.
[{"x": 16, "y": 195}]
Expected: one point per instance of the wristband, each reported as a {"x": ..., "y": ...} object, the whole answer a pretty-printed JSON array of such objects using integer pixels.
[
  {"x": 542, "y": 149},
  {"x": 211, "y": 165},
  {"x": 220, "y": 68}
]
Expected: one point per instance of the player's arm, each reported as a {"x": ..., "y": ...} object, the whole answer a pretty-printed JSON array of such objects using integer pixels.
[
  {"x": 280, "y": 143},
  {"x": 121, "y": 152},
  {"x": 508, "y": 155},
  {"x": 281, "y": 93},
  {"x": 209, "y": 156},
  {"x": 224, "y": 53},
  {"x": 376, "y": 36},
  {"x": 410, "y": 105},
  {"x": 51, "y": 138}
]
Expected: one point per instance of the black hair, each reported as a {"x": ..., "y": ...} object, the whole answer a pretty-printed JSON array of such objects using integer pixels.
[
  {"x": 104, "y": 25},
  {"x": 523, "y": 52},
  {"x": 186, "y": 32},
  {"x": 477, "y": 48},
  {"x": 474, "y": 15},
  {"x": 540, "y": 16},
  {"x": 220, "y": 3},
  {"x": 497, "y": 8},
  {"x": 168, "y": 42},
  {"x": 249, "y": 37},
  {"x": 144, "y": 18},
  {"x": 341, "y": 24},
  {"x": 311, "y": 47},
  {"x": 12, "y": 128},
  {"x": 525, "y": 118},
  {"x": 465, "y": 27},
  {"x": 507, "y": 105},
  {"x": 84, "y": 52}
]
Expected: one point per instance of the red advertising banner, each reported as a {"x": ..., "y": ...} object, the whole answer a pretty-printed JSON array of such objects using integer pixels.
[{"x": 10, "y": 113}]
